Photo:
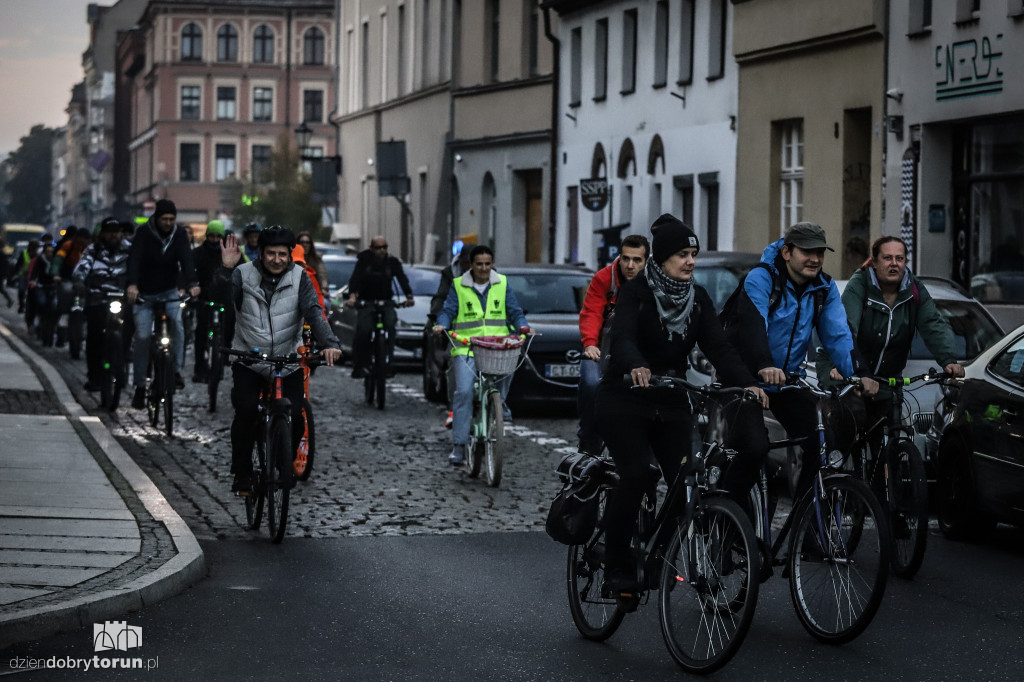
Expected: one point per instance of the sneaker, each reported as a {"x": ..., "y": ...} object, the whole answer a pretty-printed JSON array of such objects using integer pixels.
[
  {"x": 91, "y": 387},
  {"x": 448, "y": 420},
  {"x": 458, "y": 456},
  {"x": 241, "y": 484},
  {"x": 139, "y": 399},
  {"x": 179, "y": 381}
]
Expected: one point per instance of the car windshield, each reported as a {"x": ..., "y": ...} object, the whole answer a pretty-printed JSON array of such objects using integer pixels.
[
  {"x": 423, "y": 282},
  {"x": 550, "y": 292},
  {"x": 973, "y": 331},
  {"x": 720, "y": 281},
  {"x": 338, "y": 272}
]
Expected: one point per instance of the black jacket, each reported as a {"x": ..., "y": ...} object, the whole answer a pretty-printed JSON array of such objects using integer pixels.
[
  {"x": 640, "y": 340},
  {"x": 371, "y": 278},
  {"x": 207, "y": 261},
  {"x": 157, "y": 263}
]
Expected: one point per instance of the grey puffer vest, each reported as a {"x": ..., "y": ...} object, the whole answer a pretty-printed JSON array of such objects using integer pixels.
[{"x": 274, "y": 326}]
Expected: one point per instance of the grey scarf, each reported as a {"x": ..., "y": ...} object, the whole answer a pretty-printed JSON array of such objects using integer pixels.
[{"x": 673, "y": 297}]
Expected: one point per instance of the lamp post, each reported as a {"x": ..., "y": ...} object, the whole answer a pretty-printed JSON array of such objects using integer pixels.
[{"x": 325, "y": 170}]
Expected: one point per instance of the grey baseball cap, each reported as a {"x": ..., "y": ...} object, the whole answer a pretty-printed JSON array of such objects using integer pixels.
[{"x": 807, "y": 236}]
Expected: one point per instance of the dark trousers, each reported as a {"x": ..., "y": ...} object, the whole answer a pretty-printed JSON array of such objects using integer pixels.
[
  {"x": 245, "y": 427},
  {"x": 744, "y": 432},
  {"x": 636, "y": 439},
  {"x": 202, "y": 340},
  {"x": 365, "y": 323}
]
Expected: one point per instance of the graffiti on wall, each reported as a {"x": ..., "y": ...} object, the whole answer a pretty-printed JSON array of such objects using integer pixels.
[{"x": 968, "y": 68}]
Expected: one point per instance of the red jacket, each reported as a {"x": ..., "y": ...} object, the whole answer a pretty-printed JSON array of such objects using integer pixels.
[{"x": 603, "y": 290}]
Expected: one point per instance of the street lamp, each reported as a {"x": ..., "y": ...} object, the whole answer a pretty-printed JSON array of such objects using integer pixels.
[{"x": 303, "y": 135}]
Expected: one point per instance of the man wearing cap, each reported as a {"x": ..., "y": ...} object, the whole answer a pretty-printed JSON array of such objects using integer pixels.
[
  {"x": 159, "y": 259},
  {"x": 207, "y": 260},
  {"x": 784, "y": 293},
  {"x": 101, "y": 271}
]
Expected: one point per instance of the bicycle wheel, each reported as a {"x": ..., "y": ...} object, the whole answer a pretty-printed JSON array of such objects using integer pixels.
[
  {"x": 494, "y": 446},
  {"x": 908, "y": 509},
  {"x": 279, "y": 446},
  {"x": 154, "y": 388},
  {"x": 216, "y": 366},
  {"x": 254, "y": 497},
  {"x": 709, "y": 586},
  {"x": 596, "y": 617},
  {"x": 168, "y": 395},
  {"x": 380, "y": 368},
  {"x": 113, "y": 372},
  {"x": 307, "y": 446},
  {"x": 838, "y": 562}
]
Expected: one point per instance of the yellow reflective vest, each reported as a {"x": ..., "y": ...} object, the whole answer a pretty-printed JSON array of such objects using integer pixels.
[{"x": 471, "y": 321}]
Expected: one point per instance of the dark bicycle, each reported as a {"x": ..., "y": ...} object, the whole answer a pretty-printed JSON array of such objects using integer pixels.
[
  {"x": 160, "y": 373},
  {"x": 700, "y": 551},
  {"x": 47, "y": 312},
  {"x": 215, "y": 359},
  {"x": 115, "y": 346},
  {"x": 273, "y": 454},
  {"x": 375, "y": 381}
]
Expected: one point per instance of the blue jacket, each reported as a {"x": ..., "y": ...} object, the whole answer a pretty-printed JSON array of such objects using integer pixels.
[{"x": 789, "y": 325}]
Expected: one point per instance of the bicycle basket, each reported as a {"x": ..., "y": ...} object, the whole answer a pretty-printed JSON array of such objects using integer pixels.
[{"x": 497, "y": 355}]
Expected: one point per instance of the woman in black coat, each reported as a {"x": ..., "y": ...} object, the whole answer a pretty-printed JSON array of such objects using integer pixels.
[{"x": 659, "y": 316}]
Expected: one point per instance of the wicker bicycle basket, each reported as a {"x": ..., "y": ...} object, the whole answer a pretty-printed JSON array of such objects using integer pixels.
[{"x": 498, "y": 355}]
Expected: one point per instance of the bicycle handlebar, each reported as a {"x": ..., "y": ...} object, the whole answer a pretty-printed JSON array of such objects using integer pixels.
[
  {"x": 254, "y": 356},
  {"x": 932, "y": 375},
  {"x": 665, "y": 381}
]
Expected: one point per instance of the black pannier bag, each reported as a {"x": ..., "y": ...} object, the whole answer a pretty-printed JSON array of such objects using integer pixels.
[{"x": 573, "y": 515}]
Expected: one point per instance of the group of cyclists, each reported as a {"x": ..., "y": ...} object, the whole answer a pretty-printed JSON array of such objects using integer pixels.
[{"x": 644, "y": 313}]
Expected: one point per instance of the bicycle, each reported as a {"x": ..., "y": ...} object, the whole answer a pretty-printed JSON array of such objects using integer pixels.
[
  {"x": 303, "y": 464},
  {"x": 699, "y": 551},
  {"x": 375, "y": 381},
  {"x": 214, "y": 357},
  {"x": 115, "y": 369},
  {"x": 494, "y": 358},
  {"x": 885, "y": 457},
  {"x": 273, "y": 451},
  {"x": 838, "y": 557},
  {"x": 46, "y": 311},
  {"x": 160, "y": 372}
]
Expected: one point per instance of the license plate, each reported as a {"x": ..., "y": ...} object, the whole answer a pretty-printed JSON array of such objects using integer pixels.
[{"x": 561, "y": 371}]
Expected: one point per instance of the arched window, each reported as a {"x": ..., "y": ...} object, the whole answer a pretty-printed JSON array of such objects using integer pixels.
[
  {"x": 263, "y": 45},
  {"x": 313, "y": 47},
  {"x": 191, "y": 43},
  {"x": 627, "y": 158},
  {"x": 227, "y": 44},
  {"x": 655, "y": 154},
  {"x": 597, "y": 162}
]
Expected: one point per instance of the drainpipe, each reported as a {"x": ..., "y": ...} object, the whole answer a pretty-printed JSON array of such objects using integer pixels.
[
  {"x": 885, "y": 122},
  {"x": 553, "y": 165},
  {"x": 337, "y": 105}
]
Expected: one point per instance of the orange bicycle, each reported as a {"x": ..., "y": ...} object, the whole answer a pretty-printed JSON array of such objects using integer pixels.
[{"x": 303, "y": 464}]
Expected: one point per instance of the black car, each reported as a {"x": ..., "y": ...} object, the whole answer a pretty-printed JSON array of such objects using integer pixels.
[
  {"x": 551, "y": 297},
  {"x": 980, "y": 467}
]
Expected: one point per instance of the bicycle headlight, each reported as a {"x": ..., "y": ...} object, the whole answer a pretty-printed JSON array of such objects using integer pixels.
[
  {"x": 165, "y": 341},
  {"x": 115, "y": 307}
]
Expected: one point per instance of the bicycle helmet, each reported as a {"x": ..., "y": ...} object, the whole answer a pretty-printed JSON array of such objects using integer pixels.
[
  {"x": 277, "y": 236},
  {"x": 252, "y": 227}
]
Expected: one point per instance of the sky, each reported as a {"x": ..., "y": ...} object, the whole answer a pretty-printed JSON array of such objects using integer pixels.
[{"x": 41, "y": 46}]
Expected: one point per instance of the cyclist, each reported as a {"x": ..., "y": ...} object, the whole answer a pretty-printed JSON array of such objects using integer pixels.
[
  {"x": 781, "y": 303},
  {"x": 885, "y": 306},
  {"x": 371, "y": 281},
  {"x": 43, "y": 288},
  {"x": 314, "y": 262},
  {"x": 660, "y": 315},
  {"x": 251, "y": 235},
  {"x": 271, "y": 297},
  {"x": 595, "y": 319},
  {"x": 207, "y": 259},
  {"x": 459, "y": 265},
  {"x": 103, "y": 267},
  {"x": 159, "y": 256},
  {"x": 479, "y": 290}
]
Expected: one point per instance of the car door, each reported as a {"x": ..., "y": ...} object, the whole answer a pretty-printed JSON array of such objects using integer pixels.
[{"x": 997, "y": 430}]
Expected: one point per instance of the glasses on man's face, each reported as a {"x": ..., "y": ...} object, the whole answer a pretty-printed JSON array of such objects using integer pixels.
[{"x": 379, "y": 247}]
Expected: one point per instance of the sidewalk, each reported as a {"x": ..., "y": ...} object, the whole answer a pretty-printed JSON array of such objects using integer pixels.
[{"x": 85, "y": 536}]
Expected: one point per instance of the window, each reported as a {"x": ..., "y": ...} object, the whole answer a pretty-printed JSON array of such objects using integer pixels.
[
  {"x": 227, "y": 44},
  {"x": 686, "y": 43},
  {"x": 190, "y": 102},
  {"x": 263, "y": 45},
  {"x": 313, "y": 106},
  {"x": 224, "y": 166},
  {"x": 920, "y": 16},
  {"x": 628, "y": 52},
  {"x": 191, "y": 43},
  {"x": 716, "y": 39},
  {"x": 576, "y": 67},
  {"x": 601, "y": 59},
  {"x": 189, "y": 163},
  {"x": 967, "y": 10},
  {"x": 364, "y": 79},
  {"x": 661, "y": 44},
  {"x": 225, "y": 103},
  {"x": 402, "y": 85},
  {"x": 425, "y": 38},
  {"x": 263, "y": 104},
  {"x": 493, "y": 42},
  {"x": 791, "y": 175},
  {"x": 313, "y": 47},
  {"x": 261, "y": 163},
  {"x": 709, "y": 209}
]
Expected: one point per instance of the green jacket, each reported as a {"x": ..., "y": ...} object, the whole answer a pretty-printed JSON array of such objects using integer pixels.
[{"x": 883, "y": 335}]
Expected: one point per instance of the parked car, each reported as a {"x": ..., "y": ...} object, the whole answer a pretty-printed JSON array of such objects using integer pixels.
[
  {"x": 339, "y": 270},
  {"x": 409, "y": 328},
  {"x": 980, "y": 464},
  {"x": 551, "y": 297}
]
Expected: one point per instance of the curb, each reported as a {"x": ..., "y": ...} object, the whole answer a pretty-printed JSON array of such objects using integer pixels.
[{"x": 187, "y": 567}]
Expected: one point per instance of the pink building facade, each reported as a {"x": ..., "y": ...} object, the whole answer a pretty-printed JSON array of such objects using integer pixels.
[{"x": 212, "y": 87}]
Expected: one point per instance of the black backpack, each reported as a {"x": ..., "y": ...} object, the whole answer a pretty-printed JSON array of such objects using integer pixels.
[{"x": 731, "y": 314}]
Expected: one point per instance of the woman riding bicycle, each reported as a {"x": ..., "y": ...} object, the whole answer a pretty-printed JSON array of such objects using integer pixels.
[{"x": 660, "y": 315}]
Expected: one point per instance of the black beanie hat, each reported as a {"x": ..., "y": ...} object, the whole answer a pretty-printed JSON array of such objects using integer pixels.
[
  {"x": 164, "y": 206},
  {"x": 670, "y": 235}
]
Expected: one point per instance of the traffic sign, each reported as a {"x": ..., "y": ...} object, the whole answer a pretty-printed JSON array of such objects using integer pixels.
[{"x": 149, "y": 207}]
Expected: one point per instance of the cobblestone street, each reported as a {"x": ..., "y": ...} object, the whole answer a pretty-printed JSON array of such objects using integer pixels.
[{"x": 376, "y": 472}]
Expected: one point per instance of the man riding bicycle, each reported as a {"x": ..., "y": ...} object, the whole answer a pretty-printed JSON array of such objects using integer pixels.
[
  {"x": 778, "y": 306},
  {"x": 885, "y": 306},
  {"x": 371, "y": 281},
  {"x": 480, "y": 303},
  {"x": 272, "y": 297},
  {"x": 159, "y": 258},
  {"x": 208, "y": 261}
]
